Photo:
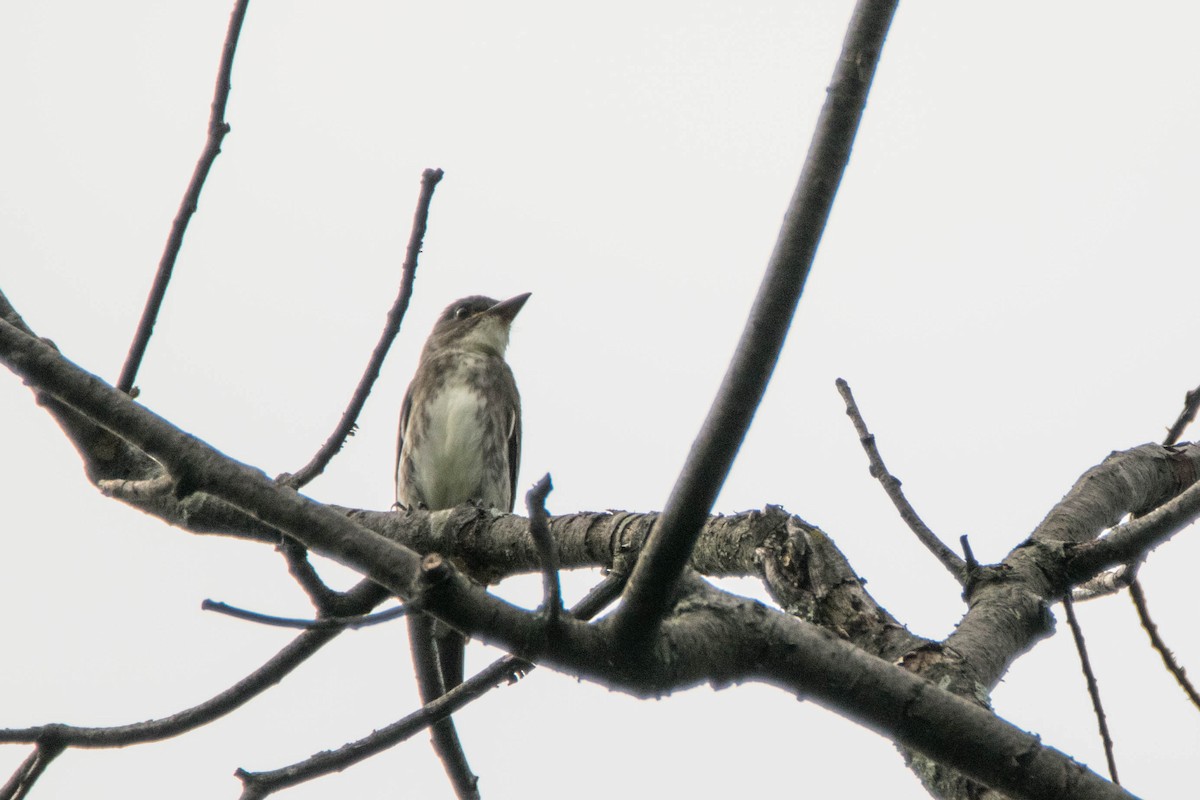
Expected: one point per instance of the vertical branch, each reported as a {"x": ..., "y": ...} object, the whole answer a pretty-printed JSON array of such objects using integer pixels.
[
  {"x": 217, "y": 128},
  {"x": 656, "y": 575}
]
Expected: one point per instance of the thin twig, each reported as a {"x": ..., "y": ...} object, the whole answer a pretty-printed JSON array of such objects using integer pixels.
[
  {"x": 1168, "y": 658},
  {"x": 217, "y": 128},
  {"x": 891, "y": 485},
  {"x": 345, "y": 427},
  {"x": 367, "y": 594},
  {"x": 504, "y": 670},
  {"x": 657, "y": 573},
  {"x": 352, "y": 623},
  {"x": 539, "y": 529},
  {"x": 1191, "y": 403},
  {"x": 21, "y": 783},
  {"x": 1093, "y": 688}
]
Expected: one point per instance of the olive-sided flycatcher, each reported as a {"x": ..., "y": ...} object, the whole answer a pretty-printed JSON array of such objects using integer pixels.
[{"x": 460, "y": 431}]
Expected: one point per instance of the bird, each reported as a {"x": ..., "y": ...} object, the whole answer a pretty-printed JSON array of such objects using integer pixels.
[
  {"x": 460, "y": 423},
  {"x": 459, "y": 442}
]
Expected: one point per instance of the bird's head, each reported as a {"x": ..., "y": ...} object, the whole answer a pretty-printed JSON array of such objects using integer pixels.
[{"x": 476, "y": 323}]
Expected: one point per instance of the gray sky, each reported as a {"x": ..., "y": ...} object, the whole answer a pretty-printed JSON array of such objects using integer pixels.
[{"x": 1008, "y": 282}]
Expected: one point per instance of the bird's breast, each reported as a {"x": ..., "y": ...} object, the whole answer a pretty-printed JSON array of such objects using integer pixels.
[{"x": 448, "y": 451}]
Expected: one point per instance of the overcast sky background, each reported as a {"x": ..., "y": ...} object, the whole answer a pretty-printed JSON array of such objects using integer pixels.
[{"x": 1008, "y": 281}]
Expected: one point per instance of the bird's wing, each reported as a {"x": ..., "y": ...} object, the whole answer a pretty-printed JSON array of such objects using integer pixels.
[
  {"x": 514, "y": 455},
  {"x": 405, "y": 410}
]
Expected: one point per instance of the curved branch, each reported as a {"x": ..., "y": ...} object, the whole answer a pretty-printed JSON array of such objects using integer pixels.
[
  {"x": 366, "y": 595},
  {"x": 653, "y": 581}
]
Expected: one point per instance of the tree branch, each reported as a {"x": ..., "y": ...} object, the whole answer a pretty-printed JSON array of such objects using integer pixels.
[
  {"x": 302, "y": 476},
  {"x": 654, "y": 579},
  {"x": 217, "y": 128},
  {"x": 945, "y": 556},
  {"x": 1093, "y": 687},
  {"x": 296, "y": 652},
  {"x": 712, "y": 637}
]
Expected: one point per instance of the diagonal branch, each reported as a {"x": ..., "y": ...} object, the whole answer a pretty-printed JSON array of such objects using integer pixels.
[
  {"x": 1164, "y": 652},
  {"x": 429, "y": 180},
  {"x": 947, "y": 557},
  {"x": 217, "y": 128},
  {"x": 18, "y": 787},
  {"x": 657, "y": 574},
  {"x": 506, "y": 669},
  {"x": 1191, "y": 404}
]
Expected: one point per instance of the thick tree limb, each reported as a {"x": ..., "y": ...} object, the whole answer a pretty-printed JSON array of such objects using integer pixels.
[
  {"x": 653, "y": 581},
  {"x": 712, "y": 637}
]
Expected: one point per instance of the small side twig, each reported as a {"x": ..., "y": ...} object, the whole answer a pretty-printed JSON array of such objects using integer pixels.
[
  {"x": 1191, "y": 404},
  {"x": 1093, "y": 687},
  {"x": 25, "y": 776},
  {"x": 345, "y": 427},
  {"x": 505, "y": 670},
  {"x": 351, "y": 623},
  {"x": 1168, "y": 658},
  {"x": 366, "y": 594},
  {"x": 539, "y": 529},
  {"x": 217, "y": 128},
  {"x": 948, "y": 558}
]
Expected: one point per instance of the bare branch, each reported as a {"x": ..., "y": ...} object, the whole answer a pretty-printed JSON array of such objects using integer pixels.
[
  {"x": 48, "y": 748},
  {"x": 504, "y": 670},
  {"x": 716, "y": 637},
  {"x": 302, "y": 476},
  {"x": 539, "y": 529},
  {"x": 945, "y": 556},
  {"x": 352, "y": 623},
  {"x": 1136, "y": 537},
  {"x": 1191, "y": 403},
  {"x": 1093, "y": 687},
  {"x": 272, "y": 672},
  {"x": 1103, "y": 585},
  {"x": 655, "y": 578},
  {"x": 217, "y": 128},
  {"x": 1168, "y": 658}
]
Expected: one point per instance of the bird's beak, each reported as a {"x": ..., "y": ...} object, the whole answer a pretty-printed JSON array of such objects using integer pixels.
[{"x": 507, "y": 309}]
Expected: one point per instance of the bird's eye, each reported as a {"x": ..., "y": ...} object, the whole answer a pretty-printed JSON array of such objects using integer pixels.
[{"x": 462, "y": 312}]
